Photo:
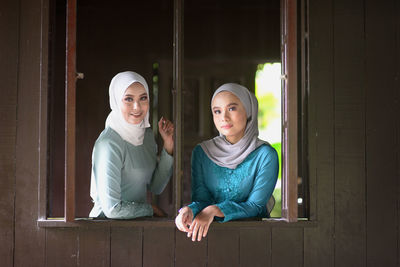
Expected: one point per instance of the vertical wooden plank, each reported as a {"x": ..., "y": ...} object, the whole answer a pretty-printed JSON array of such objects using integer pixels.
[
  {"x": 126, "y": 246},
  {"x": 189, "y": 253},
  {"x": 9, "y": 26},
  {"x": 43, "y": 114},
  {"x": 349, "y": 87},
  {"x": 29, "y": 240},
  {"x": 318, "y": 241},
  {"x": 255, "y": 247},
  {"x": 158, "y": 246},
  {"x": 397, "y": 119},
  {"x": 94, "y": 246},
  {"x": 223, "y": 247},
  {"x": 289, "y": 127},
  {"x": 287, "y": 246},
  {"x": 70, "y": 112},
  {"x": 178, "y": 102},
  {"x": 381, "y": 171},
  {"x": 61, "y": 247}
]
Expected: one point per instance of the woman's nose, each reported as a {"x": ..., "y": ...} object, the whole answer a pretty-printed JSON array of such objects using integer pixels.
[
  {"x": 225, "y": 116},
  {"x": 136, "y": 105}
]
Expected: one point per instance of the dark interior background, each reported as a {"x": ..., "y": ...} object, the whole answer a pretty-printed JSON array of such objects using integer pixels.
[{"x": 135, "y": 36}]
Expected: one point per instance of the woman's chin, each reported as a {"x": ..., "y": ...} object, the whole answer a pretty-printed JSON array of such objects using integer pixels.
[{"x": 135, "y": 121}]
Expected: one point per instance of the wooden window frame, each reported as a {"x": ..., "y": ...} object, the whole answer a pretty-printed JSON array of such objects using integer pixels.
[
  {"x": 289, "y": 110},
  {"x": 289, "y": 46}
]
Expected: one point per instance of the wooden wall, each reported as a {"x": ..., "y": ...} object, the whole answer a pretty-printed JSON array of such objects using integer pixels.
[
  {"x": 354, "y": 159},
  {"x": 9, "y": 22}
]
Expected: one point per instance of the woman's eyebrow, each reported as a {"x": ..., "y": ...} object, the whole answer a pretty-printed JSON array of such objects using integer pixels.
[
  {"x": 230, "y": 104},
  {"x": 144, "y": 94},
  {"x": 233, "y": 104}
]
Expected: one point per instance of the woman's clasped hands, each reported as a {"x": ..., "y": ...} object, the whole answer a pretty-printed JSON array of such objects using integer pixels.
[{"x": 198, "y": 227}]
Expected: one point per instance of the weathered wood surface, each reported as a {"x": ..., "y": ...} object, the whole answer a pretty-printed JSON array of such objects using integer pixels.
[
  {"x": 255, "y": 247},
  {"x": 381, "y": 134},
  {"x": 318, "y": 241},
  {"x": 223, "y": 247},
  {"x": 287, "y": 247},
  {"x": 349, "y": 123},
  {"x": 62, "y": 247},
  {"x": 94, "y": 246},
  {"x": 9, "y": 26},
  {"x": 158, "y": 247},
  {"x": 126, "y": 246},
  {"x": 29, "y": 246},
  {"x": 354, "y": 96},
  {"x": 189, "y": 253}
]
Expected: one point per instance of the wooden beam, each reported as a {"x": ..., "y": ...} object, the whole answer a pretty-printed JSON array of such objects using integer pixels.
[
  {"x": 290, "y": 149},
  {"x": 70, "y": 110},
  {"x": 177, "y": 102}
]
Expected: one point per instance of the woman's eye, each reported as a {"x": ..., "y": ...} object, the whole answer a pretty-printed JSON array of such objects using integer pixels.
[
  {"x": 143, "y": 98},
  {"x": 128, "y": 99},
  {"x": 232, "y": 108},
  {"x": 217, "y": 112}
]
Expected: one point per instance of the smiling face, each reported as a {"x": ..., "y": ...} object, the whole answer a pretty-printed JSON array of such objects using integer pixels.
[
  {"x": 229, "y": 116},
  {"x": 135, "y": 103}
]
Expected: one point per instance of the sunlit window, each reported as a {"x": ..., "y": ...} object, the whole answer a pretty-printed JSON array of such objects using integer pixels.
[{"x": 268, "y": 92}]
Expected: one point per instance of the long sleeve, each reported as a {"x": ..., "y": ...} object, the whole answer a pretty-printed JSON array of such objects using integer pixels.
[
  {"x": 201, "y": 196},
  {"x": 107, "y": 166},
  {"x": 162, "y": 173},
  {"x": 264, "y": 184}
]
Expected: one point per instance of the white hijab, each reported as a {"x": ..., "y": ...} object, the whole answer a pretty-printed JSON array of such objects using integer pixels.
[
  {"x": 228, "y": 155},
  {"x": 132, "y": 133}
]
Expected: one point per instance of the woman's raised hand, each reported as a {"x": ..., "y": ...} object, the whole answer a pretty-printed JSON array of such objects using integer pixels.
[
  {"x": 166, "y": 129},
  {"x": 184, "y": 219}
]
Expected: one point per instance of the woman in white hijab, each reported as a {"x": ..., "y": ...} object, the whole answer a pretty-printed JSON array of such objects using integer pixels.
[
  {"x": 124, "y": 159},
  {"x": 233, "y": 174}
]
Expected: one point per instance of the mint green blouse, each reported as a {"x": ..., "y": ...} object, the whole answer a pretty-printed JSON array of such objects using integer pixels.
[{"x": 122, "y": 173}]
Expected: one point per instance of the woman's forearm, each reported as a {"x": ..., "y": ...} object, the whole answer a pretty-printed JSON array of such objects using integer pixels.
[{"x": 162, "y": 173}]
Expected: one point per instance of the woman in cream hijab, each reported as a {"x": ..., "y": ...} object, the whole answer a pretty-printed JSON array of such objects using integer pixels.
[
  {"x": 233, "y": 174},
  {"x": 124, "y": 159}
]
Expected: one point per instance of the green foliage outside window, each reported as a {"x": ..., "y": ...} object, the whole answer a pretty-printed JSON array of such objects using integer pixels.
[{"x": 268, "y": 93}]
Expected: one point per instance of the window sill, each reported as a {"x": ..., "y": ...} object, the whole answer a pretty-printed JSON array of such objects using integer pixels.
[{"x": 167, "y": 222}]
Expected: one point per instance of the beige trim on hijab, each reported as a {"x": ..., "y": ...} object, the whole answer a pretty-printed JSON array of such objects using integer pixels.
[
  {"x": 132, "y": 133},
  {"x": 222, "y": 152}
]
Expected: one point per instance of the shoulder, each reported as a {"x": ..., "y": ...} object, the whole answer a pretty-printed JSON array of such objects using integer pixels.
[
  {"x": 109, "y": 140},
  {"x": 198, "y": 151},
  {"x": 198, "y": 154},
  {"x": 265, "y": 152},
  {"x": 266, "y": 149}
]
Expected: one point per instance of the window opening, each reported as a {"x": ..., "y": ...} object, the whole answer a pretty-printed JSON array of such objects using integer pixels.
[
  {"x": 268, "y": 90},
  {"x": 56, "y": 115},
  {"x": 212, "y": 66}
]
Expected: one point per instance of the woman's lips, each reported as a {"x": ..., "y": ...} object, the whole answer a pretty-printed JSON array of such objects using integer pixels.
[
  {"x": 136, "y": 115},
  {"x": 226, "y": 126}
]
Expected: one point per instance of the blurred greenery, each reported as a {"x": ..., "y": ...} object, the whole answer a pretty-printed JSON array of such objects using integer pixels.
[
  {"x": 277, "y": 211},
  {"x": 266, "y": 110},
  {"x": 268, "y": 91}
]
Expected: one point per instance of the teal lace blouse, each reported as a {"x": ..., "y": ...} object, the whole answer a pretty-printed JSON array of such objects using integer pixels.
[{"x": 239, "y": 193}]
